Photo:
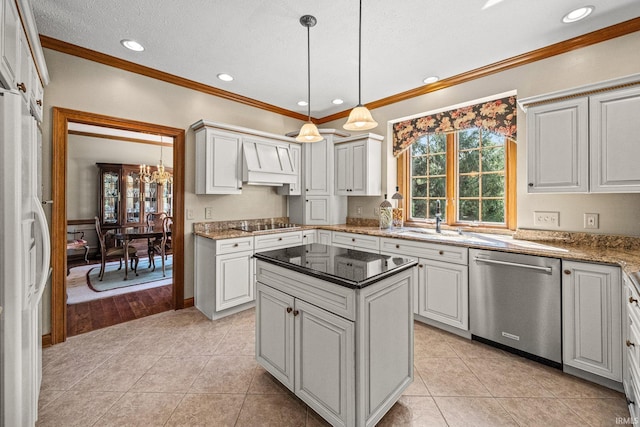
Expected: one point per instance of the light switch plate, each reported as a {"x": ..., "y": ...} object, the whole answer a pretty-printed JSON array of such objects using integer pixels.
[
  {"x": 208, "y": 213},
  {"x": 189, "y": 213},
  {"x": 546, "y": 219},
  {"x": 591, "y": 220}
]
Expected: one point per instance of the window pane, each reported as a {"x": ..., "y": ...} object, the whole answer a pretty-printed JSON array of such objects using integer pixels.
[
  {"x": 438, "y": 164},
  {"x": 469, "y": 139},
  {"x": 419, "y": 187},
  {"x": 419, "y": 147},
  {"x": 492, "y": 139},
  {"x": 418, "y": 208},
  {"x": 493, "y": 211},
  {"x": 468, "y": 161},
  {"x": 492, "y": 186},
  {"x": 469, "y": 186},
  {"x": 433, "y": 208},
  {"x": 438, "y": 143},
  {"x": 469, "y": 210},
  {"x": 493, "y": 159},
  {"x": 419, "y": 166},
  {"x": 437, "y": 188}
]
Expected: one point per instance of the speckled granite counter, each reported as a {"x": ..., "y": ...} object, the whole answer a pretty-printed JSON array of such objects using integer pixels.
[{"x": 607, "y": 249}]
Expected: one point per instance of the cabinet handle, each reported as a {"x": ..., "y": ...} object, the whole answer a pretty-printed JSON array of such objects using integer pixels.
[
  {"x": 22, "y": 87},
  {"x": 307, "y": 201},
  {"x": 567, "y": 272},
  {"x": 531, "y": 184},
  {"x": 289, "y": 309},
  {"x": 420, "y": 265},
  {"x": 441, "y": 252},
  {"x": 632, "y": 300},
  {"x": 279, "y": 238},
  {"x": 630, "y": 344},
  {"x": 295, "y": 312},
  {"x": 235, "y": 245},
  {"x": 353, "y": 239},
  {"x": 39, "y": 102},
  {"x": 306, "y": 189},
  {"x": 397, "y": 246},
  {"x": 630, "y": 402}
]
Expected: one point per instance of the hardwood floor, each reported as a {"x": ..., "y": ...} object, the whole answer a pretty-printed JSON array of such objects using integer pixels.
[{"x": 88, "y": 316}]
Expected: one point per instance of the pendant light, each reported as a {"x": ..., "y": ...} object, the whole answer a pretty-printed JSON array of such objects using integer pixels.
[
  {"x": 309, "y": 132},
  {"x": 360, "y": 117}
]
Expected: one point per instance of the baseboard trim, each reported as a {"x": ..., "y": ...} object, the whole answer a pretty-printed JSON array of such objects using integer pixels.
[
  {"x": 188, "y": 302},
  {"x": 46, "y": 341}
]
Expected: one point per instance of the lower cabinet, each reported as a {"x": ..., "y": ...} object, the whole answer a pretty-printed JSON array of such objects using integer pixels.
[
  {"x": 234, "y": 279},
  {"x": 591, "y": 319},
  {"x": 443, "y": 292},
  {"x": 323, "y": 236}
]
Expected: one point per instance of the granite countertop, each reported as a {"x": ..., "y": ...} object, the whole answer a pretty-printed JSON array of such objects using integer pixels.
[
  {"x": 605, "y": 249},
  {"x": 350, "y": 268}
]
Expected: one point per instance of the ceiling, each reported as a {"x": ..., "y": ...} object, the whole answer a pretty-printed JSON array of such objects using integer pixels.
[{"x": 264, "y": 47}]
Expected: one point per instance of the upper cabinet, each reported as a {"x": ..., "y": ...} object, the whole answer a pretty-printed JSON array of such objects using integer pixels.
[
  {"x": 584, "y": 139},
  {"x": 10, "y": 45},
  {"x": 227, "y": 156},
  {"x": 358, "y": 165}
]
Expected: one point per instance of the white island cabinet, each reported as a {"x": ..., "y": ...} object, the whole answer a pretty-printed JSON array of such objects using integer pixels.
[{"x": 341, "y": 341}]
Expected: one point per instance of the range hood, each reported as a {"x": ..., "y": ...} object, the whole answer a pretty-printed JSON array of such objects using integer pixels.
[{"x": 265, "y": 163}]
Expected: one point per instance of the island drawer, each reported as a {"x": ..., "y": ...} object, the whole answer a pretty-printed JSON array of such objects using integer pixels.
[
  {"x": 353, "y": 240},
  {"x": 278, "y": 240},
  {"x": 227, "y": 246},
  {"x": 433, "y": 251}
]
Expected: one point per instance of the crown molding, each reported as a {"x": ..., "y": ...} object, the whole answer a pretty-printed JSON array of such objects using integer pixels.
[{"x": 598, "y": 36}]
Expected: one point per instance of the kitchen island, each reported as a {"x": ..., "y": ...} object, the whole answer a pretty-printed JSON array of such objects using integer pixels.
[{"x": 335, "y": 326}]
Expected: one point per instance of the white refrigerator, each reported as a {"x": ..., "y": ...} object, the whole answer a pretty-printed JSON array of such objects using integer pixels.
[{"x": 24, "y": 262}]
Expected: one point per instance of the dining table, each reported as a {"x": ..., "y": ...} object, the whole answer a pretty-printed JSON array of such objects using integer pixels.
[{"x": 129, "y": 234}]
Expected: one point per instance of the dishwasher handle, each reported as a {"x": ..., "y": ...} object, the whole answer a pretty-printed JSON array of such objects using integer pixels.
[{"x": 547, "y": 270}]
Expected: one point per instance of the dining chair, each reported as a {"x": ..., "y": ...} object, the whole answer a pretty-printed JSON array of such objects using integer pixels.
[
  {"x": 154, "y": 219},
  {"x": 109, "y": 251},
  {"x": 162, "y": 246}
]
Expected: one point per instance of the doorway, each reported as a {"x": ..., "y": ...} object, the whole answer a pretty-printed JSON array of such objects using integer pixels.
[{"x": 61, "y": 120}]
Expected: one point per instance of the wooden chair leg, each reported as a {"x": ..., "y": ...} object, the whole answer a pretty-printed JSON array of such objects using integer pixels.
[
  {"x": 136, "y": 267},
  {"x": 120, "y": 268},
  {"x": 162, "y": 257},
  {"x": 103, "y": 262}
]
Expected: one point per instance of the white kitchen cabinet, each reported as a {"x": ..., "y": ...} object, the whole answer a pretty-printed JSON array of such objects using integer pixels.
[
  {"x": 309, "y": 237},
  {"x": 356, "y": 241},
  {"x": 24, "y": 75},
  {"x": 323, "y": 236},
  {"x": 10, "y": 45},
  {"x": 443, "y": 292},
  {"x": 317, "y": 161},
  {"x": 631, "y": 342},
  {"x": 591, "y": 318},
  {"x": 558, "y": 147},
  {"x": 223, "y": 276},
  {"x": 358, "y": 168},
  {"x": 218, "y": 162},
  {"x": 279, "y": 240},
  {"x": 615, "y": 146},
  {"x": 293, "y": 189}
]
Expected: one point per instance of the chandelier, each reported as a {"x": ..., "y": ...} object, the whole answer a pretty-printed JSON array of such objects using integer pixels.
[{"x": 160, "y": 175}]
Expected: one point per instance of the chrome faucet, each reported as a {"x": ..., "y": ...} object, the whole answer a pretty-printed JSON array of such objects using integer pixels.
[{"x": 438, "y": 217}]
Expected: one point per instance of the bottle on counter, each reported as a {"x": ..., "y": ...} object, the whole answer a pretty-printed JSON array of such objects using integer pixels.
[
  {"x": 386, "y": 214},
  {"x": 398, "y": 211}
]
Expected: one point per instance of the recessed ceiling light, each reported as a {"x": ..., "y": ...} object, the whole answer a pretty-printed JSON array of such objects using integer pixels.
[
  {"x": 132, "y": 45},
  {"x": 578, "y": 14},
  {"x": 225, "y": 77},
  {"x": 431, "y": 79},
  {"x": 303, "y": 103},
  {"x": 337, "y": 101}
]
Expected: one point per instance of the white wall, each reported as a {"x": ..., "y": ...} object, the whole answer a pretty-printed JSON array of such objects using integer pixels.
[
  {"x": 603, "y": 61},
  {"x": 84, "y": 85},
  {"x": 82, "y": 173}
]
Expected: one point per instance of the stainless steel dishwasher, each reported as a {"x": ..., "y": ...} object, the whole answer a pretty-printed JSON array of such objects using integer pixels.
[{"x": 514, "y": 302}]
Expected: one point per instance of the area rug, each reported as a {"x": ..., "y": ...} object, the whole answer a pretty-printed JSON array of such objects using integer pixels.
[{"x": 114, "y": 278}]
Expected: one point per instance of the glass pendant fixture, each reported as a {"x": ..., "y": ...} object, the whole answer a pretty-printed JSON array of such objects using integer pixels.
[
  {"x": 360, "y": 117},
  {"x": 309, "y": 132}
]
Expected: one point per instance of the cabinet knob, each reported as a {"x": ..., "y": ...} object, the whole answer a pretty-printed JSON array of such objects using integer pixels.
[
  {"x": 632, "y": 300},
  {"x": 235, "y": 245},
  {"x": 630, "y": 344},
  {"x": 441, "y": 252},
  {"x": 531, "y": 184},
  {"x": 306, "y": 189},
  {"x": 353, "y": 239},
  {"x": 420, "y": 265},
  {"x": 567, "y": 272},
  {"x": 279, "y": 238},
  {"x": 307, "y": 201},
  {"x": 296, "y": 312},
  {"x": 397, "y": 246},
  {"x": 289, "y": 309},
  {"x": 22, "y": 87},
  {"x": 39, "y": 102}
]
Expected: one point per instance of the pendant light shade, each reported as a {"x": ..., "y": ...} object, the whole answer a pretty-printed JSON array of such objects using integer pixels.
[
  {"x": 309, "y": 132},
  {"x": 360, "y": 117}
]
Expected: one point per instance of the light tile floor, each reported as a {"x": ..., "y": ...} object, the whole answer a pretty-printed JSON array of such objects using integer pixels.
[{"x": 179, "y": 368}]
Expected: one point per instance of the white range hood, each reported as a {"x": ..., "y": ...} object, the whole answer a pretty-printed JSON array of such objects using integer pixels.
[{"x": 266, "y": 163}]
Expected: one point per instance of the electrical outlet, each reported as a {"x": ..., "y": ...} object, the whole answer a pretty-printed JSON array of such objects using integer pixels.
[
  {"x": 189, "y": 213},
  {"x": 591, "y": 220},
  {"x": 359, "y": 210},
  {"x": 208, "y": 213},
  {"x": 546, "y": 219}
]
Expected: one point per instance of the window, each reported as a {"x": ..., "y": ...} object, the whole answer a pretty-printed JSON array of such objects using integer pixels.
[{"x": 468, "y": 171}]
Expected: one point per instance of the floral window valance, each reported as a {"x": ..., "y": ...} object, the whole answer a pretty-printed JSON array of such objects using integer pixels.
[{"x": 497, "y": 116}]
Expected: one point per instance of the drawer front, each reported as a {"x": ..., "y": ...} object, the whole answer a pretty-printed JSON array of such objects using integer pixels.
[
  {"x": 227, "y": 246},
  {"x": 359, "y": 241},
  {"x": 432, "y": 251},
  {"x": 278, "y": 240}
]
